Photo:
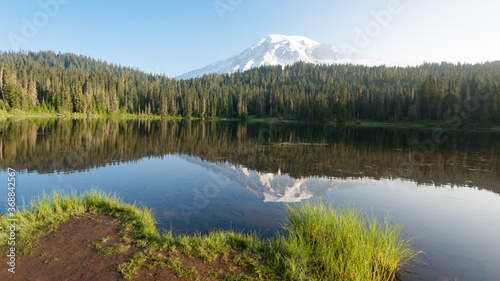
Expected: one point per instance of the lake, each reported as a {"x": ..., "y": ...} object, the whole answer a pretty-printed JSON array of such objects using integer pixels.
[{"x": 443, "y": 186}]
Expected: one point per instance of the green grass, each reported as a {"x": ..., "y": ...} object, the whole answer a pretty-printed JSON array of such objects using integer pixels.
[
  {"x": 98, "y": 244},
  {"x": 318, "y": 242},
  {"x": 321, "y": 242},
  {"x": 401, "y": 124},
  {"x": 52, "y": 260},
  {"x": 21, "y": 114},
  {"x": 44, "y": 213},
  {"x": 109, "y": 250}
]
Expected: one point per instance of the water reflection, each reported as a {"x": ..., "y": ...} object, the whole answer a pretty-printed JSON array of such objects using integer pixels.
[
  {"x": 198, "y": 175},
  {"x": 466, "y": 159},
  {"x": 279, "y": 187}
]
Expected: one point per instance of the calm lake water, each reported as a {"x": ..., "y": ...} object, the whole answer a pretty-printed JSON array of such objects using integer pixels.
[{"x": 196, "y": 175}]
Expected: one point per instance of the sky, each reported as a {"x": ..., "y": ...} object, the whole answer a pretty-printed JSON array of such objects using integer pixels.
[{"x": 177, "y": 36}]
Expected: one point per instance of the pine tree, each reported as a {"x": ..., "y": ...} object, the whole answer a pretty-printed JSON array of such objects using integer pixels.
[
  {"x": 1, "y": 85},
  {"x": 11, "y": 90},
  {"x": 32, "y": 94}
]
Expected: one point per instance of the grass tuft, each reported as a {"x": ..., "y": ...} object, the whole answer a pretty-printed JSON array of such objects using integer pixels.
[
  {"x": 113, "y": 250},
  {"x": 322, "y": 242}
]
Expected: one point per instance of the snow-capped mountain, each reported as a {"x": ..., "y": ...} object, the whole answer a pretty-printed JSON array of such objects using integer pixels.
[{"x": 281, "y": 50}]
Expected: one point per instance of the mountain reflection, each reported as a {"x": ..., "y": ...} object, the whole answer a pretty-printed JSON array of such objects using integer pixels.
[
  {"x": 276, "y": 162},
  {"x": 270, "y": 187}
]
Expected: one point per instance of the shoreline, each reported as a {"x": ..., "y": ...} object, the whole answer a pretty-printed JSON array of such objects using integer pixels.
[
  {"x": 423, "y": 125},
  {"x": 129, "y": 235}
]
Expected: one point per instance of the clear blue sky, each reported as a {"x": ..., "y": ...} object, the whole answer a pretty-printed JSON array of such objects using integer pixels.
[{"x": 177, "y": 36}]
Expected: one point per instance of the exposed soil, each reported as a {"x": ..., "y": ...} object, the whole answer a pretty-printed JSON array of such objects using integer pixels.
[
  {"x": 202, "y": 268},
  {"x": 69, "y": 253}
]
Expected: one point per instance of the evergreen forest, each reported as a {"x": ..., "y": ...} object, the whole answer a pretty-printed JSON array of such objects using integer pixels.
[{"x": 68, "y": 83}]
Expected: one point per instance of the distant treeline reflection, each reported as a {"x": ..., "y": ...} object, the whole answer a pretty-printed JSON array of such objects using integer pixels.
[{"x": 63, "y": 145}]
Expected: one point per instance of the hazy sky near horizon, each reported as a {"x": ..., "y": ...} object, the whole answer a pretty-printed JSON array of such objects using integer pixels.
[{"x": 177, "y": 36}]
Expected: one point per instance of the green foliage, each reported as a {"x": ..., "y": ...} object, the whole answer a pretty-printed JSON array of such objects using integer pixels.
[
  {"x": 13, "y": 95},
  {"x": 129, "y": 269},
  {"x": 324, "y": 243},
  {"x": 71, "y": 83},
  {"x": 113, "y": 249},
  {"x": 412, "y": 114}
]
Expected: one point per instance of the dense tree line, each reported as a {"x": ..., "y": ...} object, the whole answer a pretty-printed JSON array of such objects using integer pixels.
[{"x": 65, "y": 83}]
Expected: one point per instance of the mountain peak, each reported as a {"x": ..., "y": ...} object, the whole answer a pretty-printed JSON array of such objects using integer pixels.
[
  {"x": 292, "y": 38},
  {"x": 276, "y": 49}
]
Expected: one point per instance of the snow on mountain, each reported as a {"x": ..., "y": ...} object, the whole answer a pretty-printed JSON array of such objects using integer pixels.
[
  {"x": 281, "y": 50},
  {"x": 271, "y": 187}
]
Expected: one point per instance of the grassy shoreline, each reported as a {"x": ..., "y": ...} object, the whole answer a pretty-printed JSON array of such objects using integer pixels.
[
  {"x": 318, "y": 242},
  {"x": 17, "y": 114}
]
